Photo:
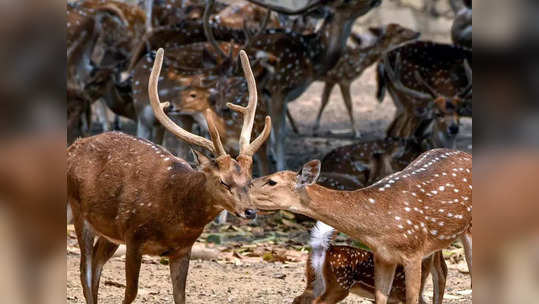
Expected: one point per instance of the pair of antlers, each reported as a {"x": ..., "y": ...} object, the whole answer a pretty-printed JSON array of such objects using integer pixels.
[
  {"x": 394, "y": 75},
  {"x": 215, "y": 145},
  {"x": 248, "y": 37}
]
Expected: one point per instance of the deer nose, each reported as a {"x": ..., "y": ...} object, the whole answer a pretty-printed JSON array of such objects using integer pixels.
[
  {"x": 453, "y": 129},
  {"x": 250, "y": 214}
]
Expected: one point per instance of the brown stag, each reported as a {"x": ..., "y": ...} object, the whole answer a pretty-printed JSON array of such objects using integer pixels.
[
  {"x": 402, "y": 218},
  {"x": 127, "y": 190},
  {"x": 332, "y": 272},
  {"x": 355, "y": 60}
]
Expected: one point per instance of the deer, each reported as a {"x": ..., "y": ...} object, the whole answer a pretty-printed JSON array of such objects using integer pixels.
[
  {"x": 102, "y": 36},
  {"x": 355, "y": 60},
  {"x": 402, "y": 218},
  {"x": 427, "y": 81},
  {"x": 127, "y": 190},
  {"x": 332, "y": 272}
]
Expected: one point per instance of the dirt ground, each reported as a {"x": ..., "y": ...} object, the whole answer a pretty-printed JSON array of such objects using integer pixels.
[{"x": 228, "y": 277}]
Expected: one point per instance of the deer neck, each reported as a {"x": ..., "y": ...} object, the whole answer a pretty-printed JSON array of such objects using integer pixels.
[
  {"x": 332, "y": 40},
  {"x": 351, "y": 212},
  {"x": 193, "y": 191},
  {"x": 372, "y": 53}
]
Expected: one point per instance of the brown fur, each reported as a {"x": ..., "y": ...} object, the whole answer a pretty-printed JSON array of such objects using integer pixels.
[
  {"x": 349, "y": 269},
  {"x": 402, "y": 218}
]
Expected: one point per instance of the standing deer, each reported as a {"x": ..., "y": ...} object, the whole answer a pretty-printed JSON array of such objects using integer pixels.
[
  {"x": 355, "y": 60},
  {"x": 402, "y": 218},
  {"x": 427, "y": 81},
  {"x": 332, "y": 272},
  {"x": 129, "y": 191}
]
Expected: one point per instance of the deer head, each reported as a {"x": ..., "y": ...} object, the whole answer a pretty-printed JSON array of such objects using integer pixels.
[
  {"x": 285, "y": 188},
  {"x": 441, "y": 112},
  {"x": 228, "y": 177}
]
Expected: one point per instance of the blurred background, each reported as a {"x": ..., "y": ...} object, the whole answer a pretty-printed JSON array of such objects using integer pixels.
[{"x": 33, "y": 141}]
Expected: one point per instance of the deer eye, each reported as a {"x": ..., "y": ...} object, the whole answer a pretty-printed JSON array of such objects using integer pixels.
[
  {"x": 271, "y": 182},
  {"x": 226, "y": 185}
]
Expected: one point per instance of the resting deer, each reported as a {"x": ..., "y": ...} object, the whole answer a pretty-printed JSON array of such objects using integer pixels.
[
  {"x": 332, "y": 272},
  {"x": 427, "y": 81},
  {"x": 402, "y": 218},
  {"x": 127, "y": 190},
  {"x": 355, "y": 60}
]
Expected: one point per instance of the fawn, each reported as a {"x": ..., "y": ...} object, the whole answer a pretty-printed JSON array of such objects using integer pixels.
[
  {"x": 402, "y": 218},
  {"x": 334, "y": 271},
  {"x": 127, "y": 190}
]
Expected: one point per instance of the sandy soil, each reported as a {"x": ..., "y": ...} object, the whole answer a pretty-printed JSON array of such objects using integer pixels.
[{"x": 225, "y": 279}]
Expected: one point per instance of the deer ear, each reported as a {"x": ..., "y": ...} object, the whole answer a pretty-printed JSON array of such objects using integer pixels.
[
  {"x": 308, "y": 174},
  {"x": 201, "y": 159}
]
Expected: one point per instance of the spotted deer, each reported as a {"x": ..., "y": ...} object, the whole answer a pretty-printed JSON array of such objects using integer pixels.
[
  {"x": 430, "y": 85},
  {"x": 355, "y": 60},
  {"x": 332, "y": 272},
  {"x": 402, "y": 218},
  {"x": 361, "y": 164},
  {"x": 127, "y": 190}
]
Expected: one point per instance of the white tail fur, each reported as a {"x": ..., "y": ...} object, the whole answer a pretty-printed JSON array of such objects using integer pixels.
[{"x": 320, "y": 241}]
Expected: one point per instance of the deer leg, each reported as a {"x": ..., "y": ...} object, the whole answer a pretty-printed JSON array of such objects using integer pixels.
[
  {"x": 466, "y": 240},
  {"x": 412, "y": 273},
  {"x": 143, "y": 131},
  {"x": 158, "y": 134},
  {"x": 292, "y": 122},
  {"x": 333, "y": 292},
  {"x": 133, "y": 259},
  {"x": 347, "y": 97},
  {"x": 103, "y": 251},
  {"x": 85, "y": 238},
  {"x": 278, "y": 109},
  {"x": 426, "y": 267},
  {"x": 262, "y": 160},
  {"x": 179, "y": 267},
  {"x": 383, "y": 279},
  {"x": 328, "y": 87},
  {"x": 439, "y": 277}
]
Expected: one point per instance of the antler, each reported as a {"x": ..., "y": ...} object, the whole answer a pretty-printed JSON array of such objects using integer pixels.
[
  {"x": 216, "y": 147},
  {"x": 394, "y": 76},
  {"x": 246, "y": 147},
  {"x": 248, "y": 38},
  {"x": 207, "y": 30}
]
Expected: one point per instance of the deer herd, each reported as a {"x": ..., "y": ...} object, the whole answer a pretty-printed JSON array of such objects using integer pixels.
[{"x": 406, "y": 197}]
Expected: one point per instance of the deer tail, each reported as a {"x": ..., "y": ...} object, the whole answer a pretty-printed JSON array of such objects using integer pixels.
[{"x": 321, "y": 236}]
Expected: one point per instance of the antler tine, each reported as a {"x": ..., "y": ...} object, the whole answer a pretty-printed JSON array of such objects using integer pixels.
[
  {"x": 158, "y": 107},
  {"x": 394, "y": 77},
  {"x": 207, "y": 31},
  {"x": 248, "y": 112},
  {"x": 248, "y": 38}
]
